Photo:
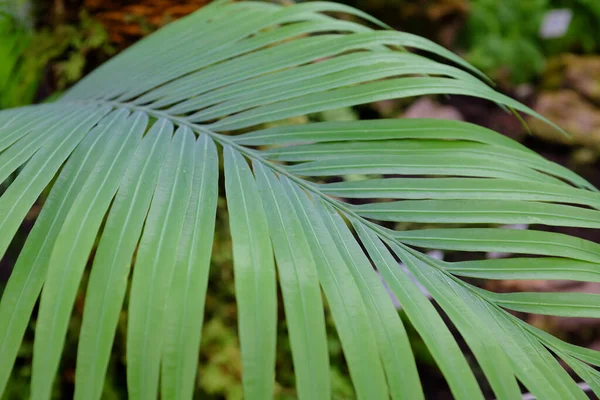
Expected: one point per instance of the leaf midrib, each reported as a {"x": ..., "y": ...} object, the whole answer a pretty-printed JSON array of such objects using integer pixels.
[
  {"x": 190, "y": 266},
  {"x": 156, "y": 260},
  {"x": 224, "y": 140}
]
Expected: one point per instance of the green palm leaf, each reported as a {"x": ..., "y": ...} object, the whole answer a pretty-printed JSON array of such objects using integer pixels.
[
  {"x": 255, "y": 283},
  {"x": 130, "y": 155}
]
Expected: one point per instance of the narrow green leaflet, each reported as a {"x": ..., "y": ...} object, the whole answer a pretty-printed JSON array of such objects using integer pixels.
[
  {"x": 589, "y": 356},
  {"x": 154, "y": 266},
  {"x": 504, "y": 240},
  {"x": 323, "y": 6},
  {"x": 461, "y": 188},
  {"x": 108, "y": 279},
  {"x": 422, "y": 164},
  {"x": 324, "y": 151},
  {"x": 536, "y": 367},
  {"x": 425, "y": 318},
  {"x": 473, "y": 325},
  {"x": 590, "y": 375},
  {"x": 72, "y": 248},
  {"x": 381, "y": 129},
  {"x": 429, "y": 148},
  {"x": 532, "y": 363},
  {"x": 582, "y": 305},
  {"x": 344, "y": 299},
  {"x": 300, "y": 289},
  {"x": 547, "y": 268},
  {"x": 29, "y": 272},
  {"x": 185, "y": 305},
  {"x": 480, "y": 212},
  {"x": 393, "y": 343},
  {"x": 254, "y": 272}
]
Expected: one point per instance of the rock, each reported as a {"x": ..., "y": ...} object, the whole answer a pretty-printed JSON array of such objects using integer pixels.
[
  {"x": 580, "y": 73},
  {"x": 583, "y": 74},
  {"x": 572, "y": 112},
  {"x": 427, "y": 108}
]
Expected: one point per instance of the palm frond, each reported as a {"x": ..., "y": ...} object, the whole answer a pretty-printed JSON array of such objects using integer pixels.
[{"x": 130, "y": 156}]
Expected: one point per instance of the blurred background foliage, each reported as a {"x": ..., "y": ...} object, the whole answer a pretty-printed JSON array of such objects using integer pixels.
[
  {"x": 505, "y": 35},
  {"x": 545, "y": 53}
]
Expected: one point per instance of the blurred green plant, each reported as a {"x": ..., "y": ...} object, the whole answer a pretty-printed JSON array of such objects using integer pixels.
[
  {"x": 15, "y": 39},
  {"x": 26, "y": 55},
  {"x": 502, "y": 37}
]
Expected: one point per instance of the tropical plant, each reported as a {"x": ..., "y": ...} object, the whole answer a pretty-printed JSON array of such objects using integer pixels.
[{"x": 131, "y": 156}]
